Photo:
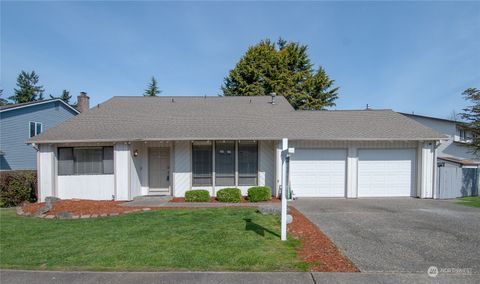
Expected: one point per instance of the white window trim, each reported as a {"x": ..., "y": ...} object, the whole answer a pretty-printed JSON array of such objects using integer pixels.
[
  {"x": 237, "y": 176},
  {"x": 36, "y": 123},
  {"x": 73, "y": 157}
]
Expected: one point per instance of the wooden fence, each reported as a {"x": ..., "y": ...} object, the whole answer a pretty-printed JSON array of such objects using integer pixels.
[{"x": 456, "y": 182}]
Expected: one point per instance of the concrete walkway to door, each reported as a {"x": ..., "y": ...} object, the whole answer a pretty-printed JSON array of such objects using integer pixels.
[{"x": 399, "y": 234}]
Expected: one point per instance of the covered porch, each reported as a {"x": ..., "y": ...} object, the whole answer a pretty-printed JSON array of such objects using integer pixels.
[{"x": 125, "y": 170}]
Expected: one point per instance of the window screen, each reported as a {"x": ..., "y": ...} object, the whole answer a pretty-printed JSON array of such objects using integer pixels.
[
  {"x": 108, "y": 160},
  {"x": 65, "y": 161},
  {"x": 85, "y": 161},
  {"x": 88, "y": 160},
  {"x": 247, "y": 163},
  {"x": 202, "y": 163},
  {"x": 225, "y": 163},
  {"x": 38, "y": 128}
]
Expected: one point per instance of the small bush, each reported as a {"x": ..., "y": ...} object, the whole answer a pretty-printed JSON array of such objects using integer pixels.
[
  {"x": 229, "y": 195},
  {"x": 197, "y": 195},
  {"x": 17, "y": 187},
  {"x": 259, "y": 193}
]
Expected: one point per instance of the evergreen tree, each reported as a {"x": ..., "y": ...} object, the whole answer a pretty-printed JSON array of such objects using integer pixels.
[
  {"x": 28, "y": 88},
  {"x": 284, "y": 68},
  {"x": 152, "y": 89},
  {"x": 471, "y": 115},
  {"x": 65, "y": 96},
  {"x": 2, "y": 100}
]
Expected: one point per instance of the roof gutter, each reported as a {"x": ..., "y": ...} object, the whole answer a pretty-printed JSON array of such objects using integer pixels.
[{"x": 225, "y": 138}]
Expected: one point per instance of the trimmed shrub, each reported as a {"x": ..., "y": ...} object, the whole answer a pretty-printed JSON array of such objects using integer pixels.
[
  {"x": 229, "y": 195},
  {"x": 197, "y": 195},
  {"x": 17, "y": 187},
  {"x": 259, "y": 193}
]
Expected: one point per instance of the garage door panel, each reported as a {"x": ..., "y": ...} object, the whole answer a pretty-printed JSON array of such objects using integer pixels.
[
  {"x": 318, "y": 172},
  {"x": 386, "y": 172}
]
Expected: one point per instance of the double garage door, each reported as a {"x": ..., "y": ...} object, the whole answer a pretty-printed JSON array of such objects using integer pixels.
[{"x": 381, "y": 172}]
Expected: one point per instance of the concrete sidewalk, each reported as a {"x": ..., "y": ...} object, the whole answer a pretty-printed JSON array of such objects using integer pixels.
[
  {"x": 164, "y": 201},
  {"x": 22, "y": 276}
]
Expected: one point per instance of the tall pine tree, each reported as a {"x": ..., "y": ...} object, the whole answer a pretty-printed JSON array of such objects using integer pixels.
[
  {"x": 284, "y": 68},
  {"x": 2, "y": 100},
  {"x": 152, "y": 89},
  {"x": 28, "y": 88},
  {"x": 66, "y": 97}
]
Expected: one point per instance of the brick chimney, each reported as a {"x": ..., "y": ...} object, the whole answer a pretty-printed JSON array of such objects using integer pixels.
[{"x": 83, "y": 102}]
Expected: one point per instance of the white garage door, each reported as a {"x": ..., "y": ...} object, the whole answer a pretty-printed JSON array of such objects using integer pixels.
[
  {"x": 318, "y": 172},
  {"x": 386, "y": 172}
]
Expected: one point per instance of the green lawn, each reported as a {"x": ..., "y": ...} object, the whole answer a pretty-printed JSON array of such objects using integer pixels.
[
  {"x": 472, "y": 201},
  {"x": 236, "y": 239}
]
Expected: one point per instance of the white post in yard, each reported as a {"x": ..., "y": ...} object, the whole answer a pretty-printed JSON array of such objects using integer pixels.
[{"x": 284, "y": 189}]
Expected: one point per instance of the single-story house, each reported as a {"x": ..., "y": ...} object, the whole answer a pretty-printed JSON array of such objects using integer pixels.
[
  {"x": 18, "y": 122},
  {"x": 133, "y": 146}
]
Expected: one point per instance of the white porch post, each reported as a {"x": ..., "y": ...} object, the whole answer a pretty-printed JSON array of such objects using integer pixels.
[
  {"x": 122, "y": 171},
  {"x": 46, "y": 171},
  {"x": 278, "y": 167},
  {"x": 352, "y": 172},
  {"x": 284, "y": 189},
  {"x": 427, "y": 168}
]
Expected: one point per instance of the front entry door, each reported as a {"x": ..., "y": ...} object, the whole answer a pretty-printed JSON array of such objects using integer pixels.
[{"x": 159, "y": 169}]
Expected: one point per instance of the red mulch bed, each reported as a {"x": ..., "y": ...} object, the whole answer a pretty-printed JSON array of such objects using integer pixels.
[
  {"x": 316, "y": 247},
  {"x": 214, "y": 200},
  {"x": 81, "y": 207}
]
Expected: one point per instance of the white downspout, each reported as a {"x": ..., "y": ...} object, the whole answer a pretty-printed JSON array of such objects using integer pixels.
[{"x": 436, "y": 189}]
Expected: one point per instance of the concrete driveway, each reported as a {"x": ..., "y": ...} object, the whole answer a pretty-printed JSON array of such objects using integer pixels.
[{"x": 400, "y": 234}]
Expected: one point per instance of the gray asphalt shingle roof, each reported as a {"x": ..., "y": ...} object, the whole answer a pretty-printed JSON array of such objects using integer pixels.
[{"x": 253, "y": 118}]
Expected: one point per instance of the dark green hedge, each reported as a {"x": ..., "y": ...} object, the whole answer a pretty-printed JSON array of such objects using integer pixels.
[
  {"x": 197, "y": 195},
  {"x": 259, "y": 193},
  {"x": 17, "y": 187},
  {"x": 229, "y": 195}
]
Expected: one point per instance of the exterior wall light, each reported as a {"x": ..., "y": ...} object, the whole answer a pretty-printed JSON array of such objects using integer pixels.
[{"x": 135, "y": 153}]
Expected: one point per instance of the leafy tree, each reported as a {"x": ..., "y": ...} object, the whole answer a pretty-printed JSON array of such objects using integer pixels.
[
  {"x": 65, "y": 96},
  {"x": 28, "y": 88},
  {"x": 471, "y": 114},
  {"x": 284, "y": 68},
  {"x": 152, "y": 89}
]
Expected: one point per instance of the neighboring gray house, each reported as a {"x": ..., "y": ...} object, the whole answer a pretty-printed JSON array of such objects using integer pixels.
[
  {"x": 458, "y": 168},
  {"x": 454, "y": 151},
  {"x": 19, "y": 122},
  {"x": 133, "y": 146}
]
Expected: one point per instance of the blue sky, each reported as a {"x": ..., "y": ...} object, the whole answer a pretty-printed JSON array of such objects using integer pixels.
[{"x": 410, "y": 56}]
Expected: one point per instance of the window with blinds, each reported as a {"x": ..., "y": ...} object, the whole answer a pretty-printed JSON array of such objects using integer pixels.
[
  {"x": 224, "y": 163},
  {"x": 202, "y": 163},
  {"x": 85, "y": 160},
  {"x": 247, "y": 163}
]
